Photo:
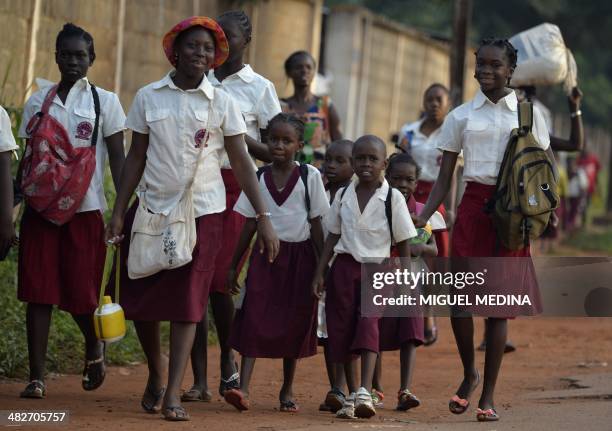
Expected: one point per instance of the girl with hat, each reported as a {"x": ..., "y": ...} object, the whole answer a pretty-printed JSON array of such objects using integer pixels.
[{"x": 181, "y": 125}]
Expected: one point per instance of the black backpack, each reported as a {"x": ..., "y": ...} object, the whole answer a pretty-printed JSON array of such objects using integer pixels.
[{"x": 388, "y": 211}]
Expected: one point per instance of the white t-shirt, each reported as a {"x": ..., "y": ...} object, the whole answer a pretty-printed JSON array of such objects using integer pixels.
[
  {"x": 289, "y": 217},
  {"x": 481, "y": 129},
  {"x": 78, "y": 117},
  {"x": 366, "y": 235},
  {"x": 176, "y": 122},
  {"x": 7, "y": 140},
  {"x": 256, "y": 97},
  {"x": 423, "y": 150}
]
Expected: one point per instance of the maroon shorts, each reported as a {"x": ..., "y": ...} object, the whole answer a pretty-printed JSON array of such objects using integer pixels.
[{"x": 61, "y": 265}]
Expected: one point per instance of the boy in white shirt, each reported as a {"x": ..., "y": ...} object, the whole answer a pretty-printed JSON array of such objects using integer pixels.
[{"x": 359, "y": 232}]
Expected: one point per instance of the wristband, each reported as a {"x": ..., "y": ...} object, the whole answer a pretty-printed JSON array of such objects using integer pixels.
[
  {"x": 575, "y": 114},
  {"x": 260, "y": 215}
]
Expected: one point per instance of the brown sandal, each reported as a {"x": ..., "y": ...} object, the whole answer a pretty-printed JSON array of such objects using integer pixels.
[
  {"x": 236, "y": 398},
  {"x": 195, "y": 394}
]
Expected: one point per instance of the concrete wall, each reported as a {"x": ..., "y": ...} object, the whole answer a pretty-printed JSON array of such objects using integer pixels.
[{"x": 380, "y": 70}]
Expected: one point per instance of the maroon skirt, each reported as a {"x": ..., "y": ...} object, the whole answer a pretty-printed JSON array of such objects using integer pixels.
[
  {"x": 442, "y": 238},
  {"x": 178, "y": 295},
  {"x": 278, "y": 317},
  {"x": 348, "y": 332},
  {"x": 233, "y": 223},
  {"x": 396, "y": 331},
  {"x": 474, "y": 236},
  {"x": 61, "y": 265}
]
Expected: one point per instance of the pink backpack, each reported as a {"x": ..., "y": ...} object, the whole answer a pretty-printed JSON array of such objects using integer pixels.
[{"x": 55, "y": 175}]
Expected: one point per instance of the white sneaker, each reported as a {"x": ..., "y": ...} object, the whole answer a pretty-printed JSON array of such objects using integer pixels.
[
  {"x": 348, "y": 408},
  {"x": 364, "y": 407}
]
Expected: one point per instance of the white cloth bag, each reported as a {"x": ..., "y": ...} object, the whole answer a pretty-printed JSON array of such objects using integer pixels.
[{"x": 159, "y": 242}]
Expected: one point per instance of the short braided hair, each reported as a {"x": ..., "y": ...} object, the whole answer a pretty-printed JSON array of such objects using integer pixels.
[
  {"x": 241, "y": 18},
  {"x": 290, "y": 119},
  {"x": 70, "y": 30},
  {"x": 436, "y": 85},
  {"x": 505, "y": 45},
  {"x": 397, "y": 158}
]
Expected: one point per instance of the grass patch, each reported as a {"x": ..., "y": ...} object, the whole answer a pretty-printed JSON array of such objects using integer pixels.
[{"x": 599, "y": 240}]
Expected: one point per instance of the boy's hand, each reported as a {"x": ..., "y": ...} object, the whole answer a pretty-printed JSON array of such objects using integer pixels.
[{"x": 113, "y": 233}]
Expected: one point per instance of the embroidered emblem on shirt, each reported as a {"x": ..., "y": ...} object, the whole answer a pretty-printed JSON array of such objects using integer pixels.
[
  {"x": 533, "y": 201},
  {"x": 199, "y": 137},
  {"x": 83, "y": 130}
]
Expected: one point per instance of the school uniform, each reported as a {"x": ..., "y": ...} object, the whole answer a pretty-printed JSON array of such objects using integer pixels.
[
  {"x": 364, "y": 237},
  {"x": 428, "y": 157},
  {"x": 481, "y": 129},
  {"x": 258, "y": 102},
  {"x": 278, "y": 316},
  {"x": 69, "y": 259},
  {"x": 176, "y": 122},
  {"x": 321, "y": 322},
  {"x": 396, "y": 331}
]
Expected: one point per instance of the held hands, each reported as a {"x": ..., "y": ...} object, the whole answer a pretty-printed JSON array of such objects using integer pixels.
[
  {"x": 418, "y": 221},
  {"x": 318, "y": 286},
  {"x": 231, "y": 283},
  {"x": 8, "y": 237},
  {"x": 112, "y": 233},
  {"x": 267, "y": 239}
]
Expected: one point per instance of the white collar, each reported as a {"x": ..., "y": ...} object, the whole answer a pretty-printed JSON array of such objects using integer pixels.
[
  {"x": 509, "y": 99},
  {"x": 205, "y": 85}
]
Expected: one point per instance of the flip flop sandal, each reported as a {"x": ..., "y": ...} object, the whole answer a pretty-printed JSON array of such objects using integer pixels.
[
  {"x": 458, "y": 405},
  {"x": 334, "y": 400},
  {"x": 93, "y": 374},
  {"x": 195, "y": 394},
  {"x": 156, "y": 398},
  {"x": 431, "y": 336},
  {"x": 236, "y": 398},
  {"x": 488, "y": 415},
  {"x": 175, "y": 414},
  {"x": 289, "y": 407},
  {"x": 232, "y": 383},
  {"x": 34, "y": 389},
  {"x": 406, "y": 400}
]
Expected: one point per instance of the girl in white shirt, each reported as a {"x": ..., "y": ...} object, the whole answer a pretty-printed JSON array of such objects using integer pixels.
[
  {"x": 70, "y": 258},
  {"x": 257, "y": 100},
  {"x": 175, "y": 121},
  {"x": 359, "y": 232},
  {"x": 278, "y": 315},
  {"x": 481, "y": 128}
]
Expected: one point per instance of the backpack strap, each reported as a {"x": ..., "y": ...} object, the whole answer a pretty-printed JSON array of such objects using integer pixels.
[
  {"x": 388, "y": 210},
  {"x": 525, "y": 117},
  {"x": 96, "y": 99},
  {"x": 261, "y": 170},
  {"x": 304, "y": 176},
  {"x": 49, "y": 99}
]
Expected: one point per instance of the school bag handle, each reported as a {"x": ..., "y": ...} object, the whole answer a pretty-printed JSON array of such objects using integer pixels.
[{"x": 107, "y": 269}]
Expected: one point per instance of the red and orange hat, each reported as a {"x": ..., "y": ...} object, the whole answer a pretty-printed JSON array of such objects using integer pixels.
[{"x": 221, "y": 46}]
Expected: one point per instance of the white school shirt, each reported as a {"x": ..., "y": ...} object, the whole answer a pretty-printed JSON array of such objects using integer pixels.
[
  {"x": 366, "y": 235},
  {"x": 290, "y": 220},
  {"x": 176, "y": 122},
  {"x": 256, "y": 97},
  {"x": 481, "y": 129},
  {"x": 7, "y": 140},
  {"x": 78, "y": 117},
  {"x": 423, "y": 150}
]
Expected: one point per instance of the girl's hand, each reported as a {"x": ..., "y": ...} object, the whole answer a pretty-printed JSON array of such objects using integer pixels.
[
  {"x": 112, "y": 234},
  {"x": 267, "y": 239},
  {"x": 318, "y": 286},
  {"x": 231, "y": 284},
  {"x": 418, "y": 221},
  {"x": 574, "y": 99}
]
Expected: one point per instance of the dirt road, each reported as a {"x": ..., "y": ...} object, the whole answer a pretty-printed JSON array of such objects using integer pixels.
[{"x": 548, "y": 349}]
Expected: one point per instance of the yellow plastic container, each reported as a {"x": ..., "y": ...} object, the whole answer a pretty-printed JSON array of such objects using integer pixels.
[{"x": 109, "y": 321}]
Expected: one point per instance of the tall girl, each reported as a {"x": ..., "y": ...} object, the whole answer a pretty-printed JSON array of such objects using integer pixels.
[
  {"x": 257, "y": 100},
  {"x": 481, "y": 128},
  {"x": 70, "y": 258},
  {"x": 417, "y": 139},
  {"x": 406, "y": 333},
  {"x": 176, "y": 121},
  {"x": 359, "y": 232},
  {"x": 278, "y": 315},
  {"x": 319, "y": 114}
]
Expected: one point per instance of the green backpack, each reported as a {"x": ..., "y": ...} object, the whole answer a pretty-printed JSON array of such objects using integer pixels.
[{"x": 526, "y": 191}]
